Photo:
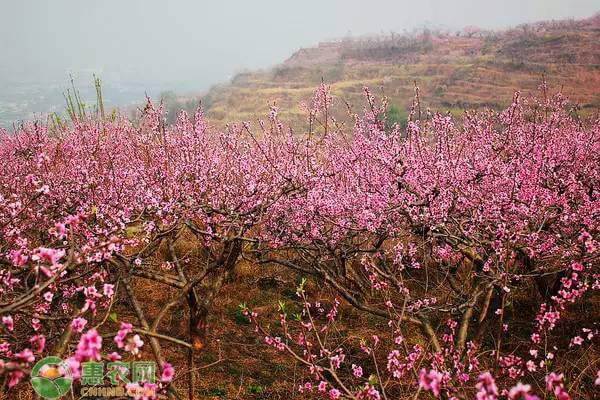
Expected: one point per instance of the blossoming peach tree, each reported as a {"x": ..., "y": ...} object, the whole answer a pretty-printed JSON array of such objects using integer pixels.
[
  {"x": 474, "y": 243},
  {"x": 482, "y": 235}
]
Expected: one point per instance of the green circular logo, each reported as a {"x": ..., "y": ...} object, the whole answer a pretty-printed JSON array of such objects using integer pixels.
[{"x": 51, "y": 378}]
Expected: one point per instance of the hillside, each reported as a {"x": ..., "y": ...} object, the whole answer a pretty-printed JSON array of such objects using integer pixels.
[{"x": 455, "y": 71}]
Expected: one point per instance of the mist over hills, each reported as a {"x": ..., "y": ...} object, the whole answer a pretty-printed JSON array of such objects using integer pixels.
[
  {"x": 455, "y": 70},
  {"x": 35, "y": 99}
]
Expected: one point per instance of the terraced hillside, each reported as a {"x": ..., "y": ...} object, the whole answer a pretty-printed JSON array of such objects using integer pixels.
[{"x": 455, "y": 71}]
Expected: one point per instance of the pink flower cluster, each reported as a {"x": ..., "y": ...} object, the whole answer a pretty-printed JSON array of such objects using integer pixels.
[{"x": 133, "y": 344}]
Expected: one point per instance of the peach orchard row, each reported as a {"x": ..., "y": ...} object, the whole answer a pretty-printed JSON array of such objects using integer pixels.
[{"x": 475, "y": 241}]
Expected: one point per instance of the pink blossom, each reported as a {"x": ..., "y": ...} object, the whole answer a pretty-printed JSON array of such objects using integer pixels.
[
  {"x": 25, "y": 355},
  {"x": 167, "y": 373},
  {"x": 134, "y": 344},
  {"x": 431, "y": 380},
  {"x": 125, "y": 329},
  {"x": 50, "y": 256},
  {"x": 576, "y": 341},
  {"x": 78, "y": 324},
  {"x": 15, "y": 378},
  {"x": 375, "y": 340},
  {"x": 108, "y": 289},
  {"x": 48, "y": 296},
  {"x": 18, "y": 258},
  {"x": 60, "y": 230},
  {"x": 89, "y": 346},
  {"x": 36, "y": 324},
  {"x": 8, "y": 322},
  {"x": 554, "y": 384},
  {"x": 357, "y": 371},
  {"x": 521, "y": 392},
  {"x": 486, "y": 387},
  {"x": 75, "y": 366},
  {"x": 39, "y": 341}
]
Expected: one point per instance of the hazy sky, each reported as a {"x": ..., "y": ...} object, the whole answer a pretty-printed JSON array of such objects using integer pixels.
[{"x": 203, "y": 42}]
